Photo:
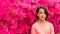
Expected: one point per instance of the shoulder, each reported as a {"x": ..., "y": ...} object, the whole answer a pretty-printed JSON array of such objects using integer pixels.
[
  {"x": 35, "y": 24},
  {"x": 50, "y": 24}
]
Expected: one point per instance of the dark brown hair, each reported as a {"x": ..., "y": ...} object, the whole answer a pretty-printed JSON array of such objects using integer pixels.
[{"x": 46, "y": 12}]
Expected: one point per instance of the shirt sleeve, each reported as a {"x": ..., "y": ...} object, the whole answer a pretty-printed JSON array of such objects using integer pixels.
[
  {"x": 52, "y": 29},
  {"x": 33, "y": 30}
]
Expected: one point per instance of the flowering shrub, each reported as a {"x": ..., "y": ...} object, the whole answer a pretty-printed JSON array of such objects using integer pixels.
[{"x": 17, "y": 16}]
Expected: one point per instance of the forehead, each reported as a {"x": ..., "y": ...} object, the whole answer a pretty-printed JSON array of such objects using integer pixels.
[{"x": 41, "y": 10}]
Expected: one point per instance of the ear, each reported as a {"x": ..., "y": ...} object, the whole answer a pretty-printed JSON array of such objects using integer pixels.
[{"x": 37, "y": 14}]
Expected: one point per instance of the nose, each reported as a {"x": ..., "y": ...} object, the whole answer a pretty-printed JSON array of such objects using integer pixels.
[{"x": 43, "y": 15}]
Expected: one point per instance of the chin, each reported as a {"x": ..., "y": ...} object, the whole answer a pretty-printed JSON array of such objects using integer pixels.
[{"x": 42, "y": 19}]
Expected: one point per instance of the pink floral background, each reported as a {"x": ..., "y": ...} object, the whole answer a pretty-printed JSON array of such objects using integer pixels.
[{"x": 17, "y": 16}]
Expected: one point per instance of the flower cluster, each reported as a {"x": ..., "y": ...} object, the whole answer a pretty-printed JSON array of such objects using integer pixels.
[{"x": 17, "y": 16}]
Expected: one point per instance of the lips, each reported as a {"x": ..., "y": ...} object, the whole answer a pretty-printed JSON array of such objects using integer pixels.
[{"x": 42, "y": 17}]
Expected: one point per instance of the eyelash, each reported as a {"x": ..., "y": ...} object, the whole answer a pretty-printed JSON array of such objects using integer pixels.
[{"x": 41, "y": 13}]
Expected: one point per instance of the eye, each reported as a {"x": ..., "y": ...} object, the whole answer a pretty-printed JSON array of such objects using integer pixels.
[{"x": 40, "y": 12}]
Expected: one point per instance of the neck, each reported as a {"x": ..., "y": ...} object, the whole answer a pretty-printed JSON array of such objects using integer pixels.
[{"x": 41, "y": 21}]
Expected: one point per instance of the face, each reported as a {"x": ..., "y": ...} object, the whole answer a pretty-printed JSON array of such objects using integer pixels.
[{"x": 41, "y": 14}]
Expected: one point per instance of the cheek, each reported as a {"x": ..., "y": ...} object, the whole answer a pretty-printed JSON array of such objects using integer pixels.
[
  {"x": 45, "y": 16},
  {"x": 39, "y": 15}
]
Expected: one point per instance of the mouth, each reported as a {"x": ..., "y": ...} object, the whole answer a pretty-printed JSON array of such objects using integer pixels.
[{"x": 42, "y": 17}]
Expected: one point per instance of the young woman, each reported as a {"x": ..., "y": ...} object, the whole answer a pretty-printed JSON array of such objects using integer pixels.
[{"x": 42, "y": 26}]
